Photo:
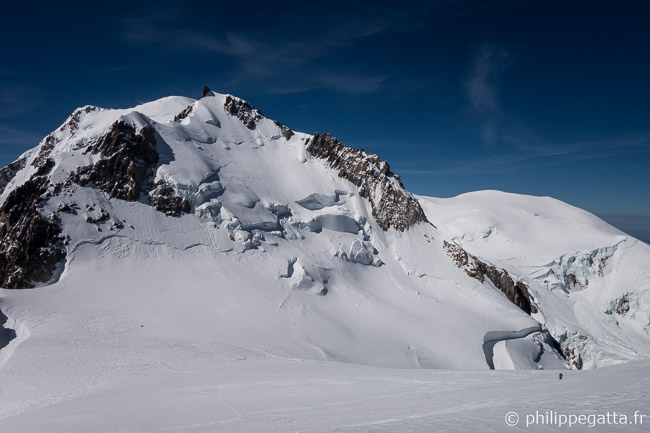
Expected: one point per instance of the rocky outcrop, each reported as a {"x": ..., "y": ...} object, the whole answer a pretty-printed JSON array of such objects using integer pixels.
[
  {"x": 244, "y": 111},
  {"x": 621, "y": 306},
  {"x": 624, "y": 308},
  {"x": 10, "y": 171},
  {"x": 392, "y": 206},
  {"x": 100, "y": 217},
  {"x": 72, "y": 124},
  {"x": 576, "y": 349},
  {"x": 31, "y": 244},
  {"x": 515, "y": 291},
  {"x": 165, "y": 200},
  {"x": 573, "y": 358},
  {"x": 464, "y": 261},
  {"x": 69, "y": 208},
  {"x": 249, "y": 115},
  {"x": 6, "y": 334},
  {"x": 572, "y": 283},
  {"x": 130, "y": 157},
  {"x": 184, "y": 113},
  {"x": 287, "y": 133},
  {"x": 45, "y": 150}
]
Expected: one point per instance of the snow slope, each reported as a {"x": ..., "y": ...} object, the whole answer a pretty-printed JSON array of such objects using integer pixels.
[
  {"x": 233, "y": 271},
  {"x": 188, "y": 240},
  {"x": 590, "y": 281},
  {"x": 252, "y": 396}
]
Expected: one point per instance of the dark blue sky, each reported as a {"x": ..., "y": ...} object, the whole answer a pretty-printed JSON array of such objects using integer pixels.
[{"x": 537, "y": 97}]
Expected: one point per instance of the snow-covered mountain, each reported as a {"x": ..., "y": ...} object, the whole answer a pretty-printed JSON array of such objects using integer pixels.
[
  {"x": 187, "y": 231},
  {"x": 589, "y": 282}
]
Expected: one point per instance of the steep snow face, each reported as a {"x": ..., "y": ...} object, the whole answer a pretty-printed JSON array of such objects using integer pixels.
[{"x": 589, "y": 282}]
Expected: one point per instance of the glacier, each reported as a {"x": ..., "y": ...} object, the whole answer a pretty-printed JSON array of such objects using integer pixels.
[{"x": 197, "y": 255}]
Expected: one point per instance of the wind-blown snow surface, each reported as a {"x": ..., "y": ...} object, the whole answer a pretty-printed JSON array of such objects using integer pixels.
[
  {"x": 190, "y": 395},
  {"x": 279, "y": 268}
]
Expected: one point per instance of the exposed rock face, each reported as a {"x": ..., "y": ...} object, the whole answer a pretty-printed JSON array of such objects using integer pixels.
[
  {"x": 163, "y": 198},
  {"x": 9, "y": 172},
  {"x": 573, "y": 358},
  {"x": 464, "y": 261},
  {"x": 31, "y": 244},
  {"x": 244, "y": 111},
  {"x": 70, "y": 208},
  {"x": 620, "y": 306},
  {"x": 624, "y": 308},
  {"x": 249, "y": 115},
  {"x": 6, "y": 334},
  {"x": 47, "y": 145},
  {"x": 206, "y": 91},
  {"x": 130, "y": 158},
  {"x": 391, "y": 205},
  {"x": 72, "y": 124},
  {"x": 99, "y": 218},
  {"x": 183, "y": 114},
  {"x": 287, "y": 133},
  {"x": 516, "y": 291},
  {"x": 572, "y": 283}
]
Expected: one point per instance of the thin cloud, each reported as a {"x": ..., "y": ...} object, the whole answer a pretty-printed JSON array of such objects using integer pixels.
[
  {"x": 17, "y": 138},
  {"x": 552, "y": 156},
  {"x": 483, "y": 84},
  {"x": 483, "y": 89},
  {"x": 273, "y": 61},
  {"x": 493, "y": 164},
  {"x": 344, "y": 82},
  {"x": 16, "y": 100},
  {"x": 515, "y": 145}
]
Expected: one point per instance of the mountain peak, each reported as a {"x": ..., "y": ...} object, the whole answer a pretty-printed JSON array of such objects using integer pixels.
[
  {"x": 206, "y": 91},
  {"x": 265, "y": 231},
  {"x": 176, "y": 164}
]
